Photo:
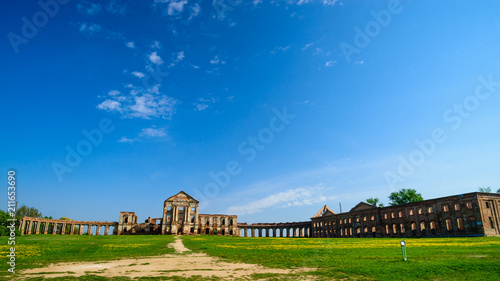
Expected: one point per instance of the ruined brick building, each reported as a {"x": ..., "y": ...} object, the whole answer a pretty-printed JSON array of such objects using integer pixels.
[
  {"x": 180, "y": 216},
  {"x": 471, "y": 214}
]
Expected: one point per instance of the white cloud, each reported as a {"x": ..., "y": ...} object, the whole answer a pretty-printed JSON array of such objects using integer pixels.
[
  {"x": 195, "y": 11},
  {"x": 130, "y": 45},
  {"x": 138, "y": 74},
  {"x": 290, "y": 198},
  {"x": 89, "y": 28},
  {"x": 141, "y": 103},
  {"x": 153, "y": 132},
  {"x": 154, "y": 58},
  {"x": 307, "y": 46},
  {"x": 88, "y": 8},
  {"x": 359, "y": 62},
  {"x": 216, "y": 60},
  {"x": 180, "y": 56},
  {"x": 125, "y": 139},
  {"x": 109, "y": 105},
  {"x": 176, "y": 7},
  {"x": 330, "y": 63},
  {"x": 147, "y": 106},
  {"x": 201, "y": 107},
  {"x": 256, "y": 2},
  {"x": 113, "y": 92},
  {"x": 202, "y": 104},
  {"x": 329, "y": 2}
]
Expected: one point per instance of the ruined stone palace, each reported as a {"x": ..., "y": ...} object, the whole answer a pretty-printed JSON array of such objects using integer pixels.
[{"x": 471, "y": 214}]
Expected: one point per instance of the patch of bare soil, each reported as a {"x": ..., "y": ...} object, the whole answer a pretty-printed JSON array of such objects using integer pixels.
[{"x": 180, "y": 264}]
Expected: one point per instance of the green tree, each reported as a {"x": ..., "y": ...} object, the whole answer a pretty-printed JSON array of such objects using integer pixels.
[
  {"x": 24, "y": 211},
  {"x": 374, "y": 201},
  {"x": 498, "y": 191},
  {"x": 404, "y": 196},
  {"x": 485, "y": 189}
]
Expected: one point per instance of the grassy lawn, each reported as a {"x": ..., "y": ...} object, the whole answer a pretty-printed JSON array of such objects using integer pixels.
[
  {"x": 42, "y": 250},
  {"x": 475, "y": 258}
]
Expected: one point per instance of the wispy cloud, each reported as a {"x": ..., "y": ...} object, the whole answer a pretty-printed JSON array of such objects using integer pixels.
[
  {"x": 307, "y": 46},
  {"x": 290, "y": 198},
  {"x": 141, "y": 103},
  {"x": 202, "y": 104},
  {"x": 114, "y": 7},
  {"x": 156, "y": 45},
  {"x": 195, "y": 11},
  {"x": 283, "y": 49},
  {"x": 330, "y": 63},
  {"x": 153, "y": 132},
  {"x": 138, "y": 74},
  {"x": 217, "y": 60},
  {"x": 148, "y": 133},
  {"x": 89, "y": 8},
  {"x": 110, "y": 105},
  {"x": 130, "y": 45},
  {"x": 89, "y": 28}
]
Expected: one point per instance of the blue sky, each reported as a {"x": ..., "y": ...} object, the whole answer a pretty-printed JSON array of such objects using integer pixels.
[{"x": 264, "y": 109}]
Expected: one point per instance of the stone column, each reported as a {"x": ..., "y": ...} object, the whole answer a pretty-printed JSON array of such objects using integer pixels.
[
  {"x": 246, "y": 232},
  {"x": 23, "y": 225},
  {"x": 72, "y": 229},
  {"x": 274, "y": 232},
  {"x": 252, "y": 231},
  {"x": 301, "y": 232},
  {"x": 260, "y": 232},
  {"x": 37, "y": 227},
  {"x": 98, "y": 230},
  {"x": 80, "y": 229},
  {"x": 89, "y": 231},
  {"x": 54, "y": 228},
  {"x": 30, "y": 226},
  {"x": 46, "y": 228},
  {"x": 63, "y": 229},
  {"x": 106, "y": 230},
  {"x": 281, "y": 232}
]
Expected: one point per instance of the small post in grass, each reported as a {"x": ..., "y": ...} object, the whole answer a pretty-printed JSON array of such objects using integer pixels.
[{"x": 403, "y": 250}]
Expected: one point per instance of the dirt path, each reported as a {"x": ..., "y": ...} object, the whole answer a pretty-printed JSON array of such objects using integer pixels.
[{"x": 179, "y": 264}]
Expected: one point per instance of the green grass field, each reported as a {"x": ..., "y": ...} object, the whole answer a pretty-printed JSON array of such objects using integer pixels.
[
  {"x": 371, "y": 259},
  {"x": 42, "y": 250},
  {"x": 475, "y": 258}
]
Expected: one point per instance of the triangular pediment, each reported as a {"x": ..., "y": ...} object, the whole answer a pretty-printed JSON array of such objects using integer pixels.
[
  {"x": 183, "y": 195},
  {"x": 362, "y": 206},
  {"x": 325, "y": 211}
]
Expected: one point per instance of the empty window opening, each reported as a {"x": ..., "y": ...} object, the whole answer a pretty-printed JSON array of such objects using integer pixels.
[{"x": 449, "y": 227}]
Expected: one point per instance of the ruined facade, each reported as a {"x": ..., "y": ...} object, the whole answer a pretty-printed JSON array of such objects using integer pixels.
[
  {"x": 180, "y": 216},
  {"x": 471, "y": 214}
]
